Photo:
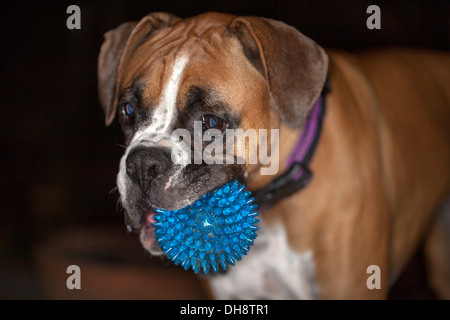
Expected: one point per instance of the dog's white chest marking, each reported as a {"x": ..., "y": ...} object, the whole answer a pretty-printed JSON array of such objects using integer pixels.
[{"x": 271, "y": 270}]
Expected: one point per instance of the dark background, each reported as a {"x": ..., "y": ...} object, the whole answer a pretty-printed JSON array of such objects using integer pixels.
[{"x": 58, "y": 160}]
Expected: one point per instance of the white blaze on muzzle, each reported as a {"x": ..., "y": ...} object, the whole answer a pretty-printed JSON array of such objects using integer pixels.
[{"x": 158, "y": 132}]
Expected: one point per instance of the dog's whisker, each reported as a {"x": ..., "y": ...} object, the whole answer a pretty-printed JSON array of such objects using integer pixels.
[
  {"x": 121, "y": 145},
  {"x": 119, "y": 206},
  {"x": 113, "y": 190}
]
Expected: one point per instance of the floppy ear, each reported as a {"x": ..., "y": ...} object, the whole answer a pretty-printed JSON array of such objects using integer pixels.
[
  {"x": 294, "y": 66},
  {"x": 115, "y": 52}
]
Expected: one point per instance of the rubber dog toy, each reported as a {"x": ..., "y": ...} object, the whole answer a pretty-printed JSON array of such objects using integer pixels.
[{"x": 214, "y": 231}]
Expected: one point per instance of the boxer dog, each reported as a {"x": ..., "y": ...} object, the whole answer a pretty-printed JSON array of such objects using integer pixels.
[{"x": 380, "y": 169}]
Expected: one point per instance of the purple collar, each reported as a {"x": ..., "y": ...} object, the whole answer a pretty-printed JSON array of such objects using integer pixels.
[
  {"x": 307, "y": 142},
  {"x": 297, "y": 174}
]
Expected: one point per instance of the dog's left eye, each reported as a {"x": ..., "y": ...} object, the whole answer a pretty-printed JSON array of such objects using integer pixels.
[
  {"x": 128, "y": 112},
  {"x": 213, "y": 122}
]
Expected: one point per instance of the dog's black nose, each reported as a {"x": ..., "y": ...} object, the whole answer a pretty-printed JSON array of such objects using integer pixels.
[{"x": 143, "y": 164}]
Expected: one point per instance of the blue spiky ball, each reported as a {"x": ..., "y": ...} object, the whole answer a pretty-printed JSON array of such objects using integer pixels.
[{"x": 214, "y": 231}]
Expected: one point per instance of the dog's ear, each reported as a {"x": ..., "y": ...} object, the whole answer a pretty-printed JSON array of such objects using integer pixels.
[
  {"x": 108, "y": 62},
  {"x": 117, "y": 49},
  {"x": 294, "y": 66}
]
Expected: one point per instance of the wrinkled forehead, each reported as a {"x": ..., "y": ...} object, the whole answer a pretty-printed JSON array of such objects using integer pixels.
[
  {"x": 212, "y": 59},
  {"x": 159, "y": 51}
]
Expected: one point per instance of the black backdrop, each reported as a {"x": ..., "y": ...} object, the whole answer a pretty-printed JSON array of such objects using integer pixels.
[{"x": 58, "y": 161}]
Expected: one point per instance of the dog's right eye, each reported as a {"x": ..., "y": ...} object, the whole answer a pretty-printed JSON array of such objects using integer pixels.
[
  {"x": 213, "y": 122},
  {"x": 128, "y": 113}
]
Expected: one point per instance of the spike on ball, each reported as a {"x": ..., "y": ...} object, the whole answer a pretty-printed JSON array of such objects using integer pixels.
[{"x": 213, "y": 232}]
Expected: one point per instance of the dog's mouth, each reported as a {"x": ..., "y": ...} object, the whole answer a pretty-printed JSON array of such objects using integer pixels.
[
  {"x": 147, "y": 232},
  {"x": 192, "y": 183}
]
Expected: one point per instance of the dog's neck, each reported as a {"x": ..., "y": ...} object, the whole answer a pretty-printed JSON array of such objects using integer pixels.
[{"x": 295, "y": 173}]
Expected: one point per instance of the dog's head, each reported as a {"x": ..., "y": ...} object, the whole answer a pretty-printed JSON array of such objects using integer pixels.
[{"x": 213, "y": 71}]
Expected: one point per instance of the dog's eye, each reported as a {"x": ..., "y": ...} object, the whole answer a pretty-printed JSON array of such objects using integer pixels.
[
  {"x": 127, "y": 112},
  {"x": 213, "y": 122}
]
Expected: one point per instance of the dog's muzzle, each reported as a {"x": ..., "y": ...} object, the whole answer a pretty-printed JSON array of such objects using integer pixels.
[{"x": 145, "y": 172}]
